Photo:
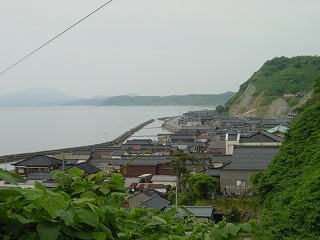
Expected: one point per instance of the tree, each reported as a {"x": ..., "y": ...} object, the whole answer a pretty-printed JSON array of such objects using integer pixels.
[
  {"x": 202, "y": 185},
  {"x": 220, "y": 109},
  {"x": 289, "y": 190},
  {"x": 316, "y": 87},
  {"x": 178, "y": 161}
]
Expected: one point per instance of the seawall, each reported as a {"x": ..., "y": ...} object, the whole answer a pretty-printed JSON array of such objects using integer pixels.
[{"x": 117, "y": 141}]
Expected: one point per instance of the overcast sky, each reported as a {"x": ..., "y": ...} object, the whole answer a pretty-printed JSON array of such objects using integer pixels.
[{"x": 150, "y": 47}]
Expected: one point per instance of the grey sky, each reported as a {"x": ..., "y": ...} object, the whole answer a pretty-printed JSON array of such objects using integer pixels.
[{"x": 150, "y": 47}]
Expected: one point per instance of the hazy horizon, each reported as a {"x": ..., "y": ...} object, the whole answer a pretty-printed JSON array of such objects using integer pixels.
[{"x": 148, "y": 47}]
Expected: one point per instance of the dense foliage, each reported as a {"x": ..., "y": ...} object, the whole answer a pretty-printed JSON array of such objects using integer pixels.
[
  {"x": 290, "y": 189},
  {"x": 90, "y": 208},
  {"x": 282, "y": 75},
  {"x": 202, "y": 185},
  {"x": 191, "y": 100}
]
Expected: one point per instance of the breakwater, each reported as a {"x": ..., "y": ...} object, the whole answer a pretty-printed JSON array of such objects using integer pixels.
[
  {"x": 172, "y": 124},
  {"x": 117, "y": 141}
]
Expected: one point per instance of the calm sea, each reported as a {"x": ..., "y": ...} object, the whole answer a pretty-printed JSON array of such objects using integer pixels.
[{"x": 44, "y": 128}]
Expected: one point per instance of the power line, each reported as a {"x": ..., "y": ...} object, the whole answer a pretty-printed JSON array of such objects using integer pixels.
[{"x": 37, "y": 49}]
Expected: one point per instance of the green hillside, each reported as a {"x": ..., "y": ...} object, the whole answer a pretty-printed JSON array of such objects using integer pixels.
[
  {"x": 289, "y": 190},
  {"x": 276, "y": 77},
  {"x": 192, "y": 99}
]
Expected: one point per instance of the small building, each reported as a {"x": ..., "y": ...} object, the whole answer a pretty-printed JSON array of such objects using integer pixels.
[
  {"x": 155, "y": 202},
  {"x": 205, "y": 212},
  {"x": 245, "y": 161},
  {"x": 37, "y": 163},
  {"x": 164, "y": 179},
  {"x": 148, "y": 197},
  {"x": 259, "y": 138},
  {"x": 288, "y": 95},
  {"x": 88, "y": 168}
]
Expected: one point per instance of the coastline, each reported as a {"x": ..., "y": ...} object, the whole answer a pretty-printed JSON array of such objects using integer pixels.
[{"x": 16, "y": 157}]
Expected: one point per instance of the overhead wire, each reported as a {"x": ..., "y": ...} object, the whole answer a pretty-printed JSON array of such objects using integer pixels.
[{"x": 52, "y": 39}]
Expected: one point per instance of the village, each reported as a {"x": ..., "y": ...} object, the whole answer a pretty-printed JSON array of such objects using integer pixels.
[{"x": 232, "y": 148}]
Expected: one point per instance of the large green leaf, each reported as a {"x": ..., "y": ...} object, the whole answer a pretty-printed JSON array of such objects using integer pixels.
[
  {"x": 48, "y": 232},
  {"x": 246, "y": 227},
  {"x": 105, "y": 190},
  {"x": 7, "y": 176},
  {"x": 76, "y": 172},
  {"x": 32, "y": 194},
  {"x": 53, "y": 202},
  {"x": 6, "y": 193},
  {"x": 155, "y": 220},
  {"x": 82, "y": 235},
  {"x": 215, "y": 234},
  {"x": 67, "y": 216},
  {"x": 106, "y": 230},
  {"x": 40, "y": 186},
  {"x": 99, "y": 235},
  {"x": 232, "y": 229},
  {"x": 79, "y": 189},
  {"x": 83, "y": 200},
  {"x": 87, "y": 216},
  {"x": 22, "y": 219}
]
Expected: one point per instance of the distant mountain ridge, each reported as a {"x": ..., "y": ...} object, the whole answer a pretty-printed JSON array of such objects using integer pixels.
[
  {"x": 191, "y": 99},
  {"x": 37, "y": 97},
  {"x": 277, "y": 88}
]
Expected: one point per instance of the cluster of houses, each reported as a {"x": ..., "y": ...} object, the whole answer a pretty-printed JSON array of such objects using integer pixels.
[{"x": 233, "y": 148}]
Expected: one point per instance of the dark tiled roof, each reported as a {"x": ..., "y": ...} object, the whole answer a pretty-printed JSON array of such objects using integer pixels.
[
  {"x": 155, "y": 202},
  {"x": 259, "y": 136},
  {"x": 213, "y": 172},
  {"x": 40, "y": 176},
  {"x": 217, "y": 158},
  {"x": 138, "y": 141},
  {"x": 118, "y": 152},
  {"x": 39, "y": 161},
  {"x": 150, "y": 192},
  {"x": 251, "y": 158},
  {"x": 88, "y": 167},
  {"x": 198, "y": 211},
  {"x": 107, "y": 149},
  {"x": 152, "y": 160}
]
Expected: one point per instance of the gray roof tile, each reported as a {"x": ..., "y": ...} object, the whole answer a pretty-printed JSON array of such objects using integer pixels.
[
  {"x": 39, "y": 161},
  {"x": 251, "y": 158},
  {"x": 155, "y": 202},
  {"x": 198, "y": 211},
  {"x": 163, "y": 178}
]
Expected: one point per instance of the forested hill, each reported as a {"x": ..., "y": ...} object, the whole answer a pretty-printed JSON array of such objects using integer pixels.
[
  {"x": 290, "y": 189},
  {"x": 192, "y": 99},
  {"x": 263, "y": 93}
]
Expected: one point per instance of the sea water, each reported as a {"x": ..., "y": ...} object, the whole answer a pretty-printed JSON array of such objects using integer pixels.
[{"x": 46, "y": 128}]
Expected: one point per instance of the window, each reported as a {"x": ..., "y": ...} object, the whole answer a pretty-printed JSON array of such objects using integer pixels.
[
  {"x": 241, "y": 183},
  {"x": 20, "y": 170}
]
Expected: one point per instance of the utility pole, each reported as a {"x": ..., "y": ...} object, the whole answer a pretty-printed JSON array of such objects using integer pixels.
[
  {"x": 63, "y": 161},
  {"x": 177, "y": 195}
]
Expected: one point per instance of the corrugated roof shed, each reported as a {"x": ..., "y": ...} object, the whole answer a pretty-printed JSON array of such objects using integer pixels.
[
  {"x": 197, "y": 211},
  {"x": 163, "y": 178}
]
